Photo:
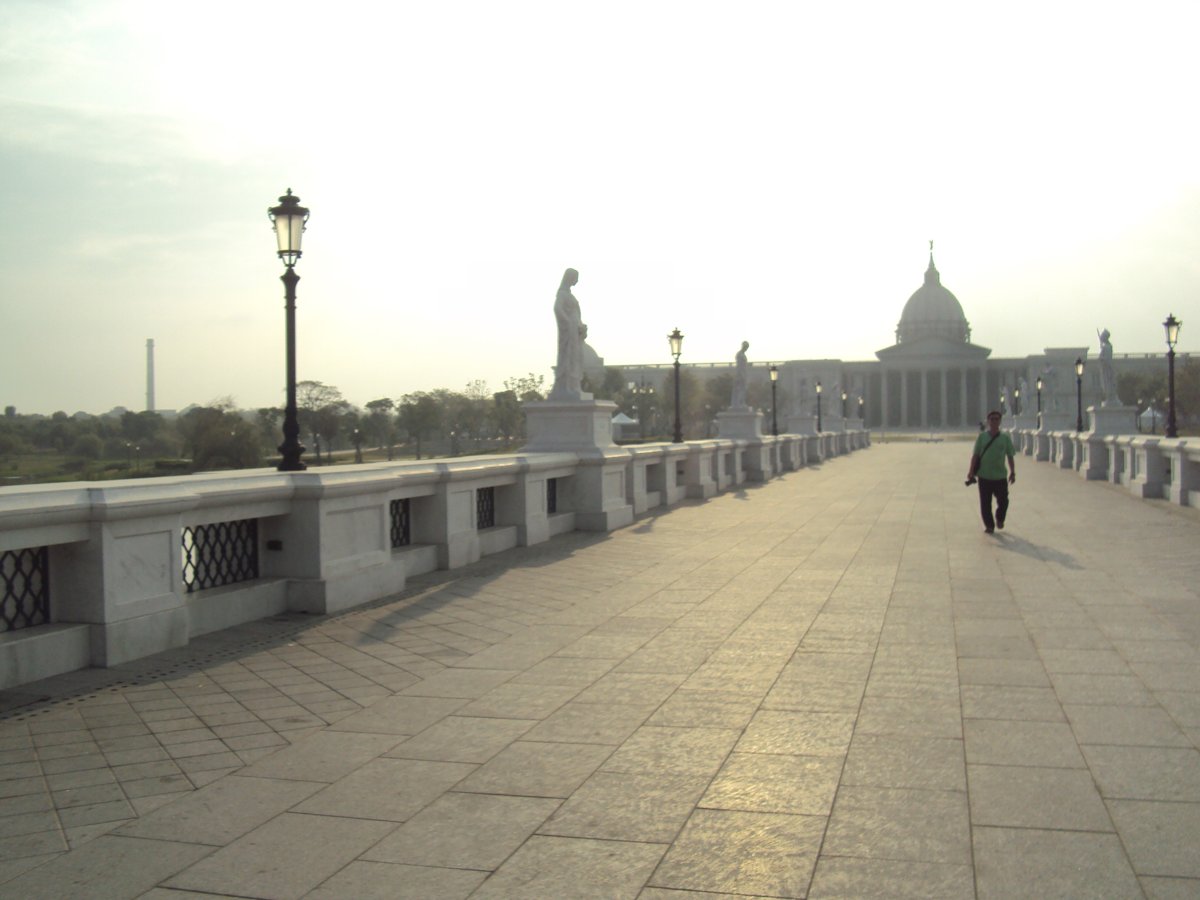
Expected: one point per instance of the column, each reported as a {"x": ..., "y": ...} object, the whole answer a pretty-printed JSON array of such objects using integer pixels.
[
  {"x": 924, "y": 399},
  {"x": 945, "y": 381},
  {"x": 883, "y": 397},
  {"x": 903, "y": 399},
  {"x": 962, "y": 398}
]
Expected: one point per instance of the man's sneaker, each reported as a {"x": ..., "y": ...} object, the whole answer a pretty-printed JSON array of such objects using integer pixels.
[
  {"x": 1000, "y": 524},
  {"x": 988, "y": 530}
]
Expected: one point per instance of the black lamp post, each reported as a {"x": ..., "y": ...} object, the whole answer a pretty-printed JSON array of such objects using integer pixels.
[
  {"x": 774, "y": 370},
  {"x": 1016, "y": 401},
  {"x": 676, "y": 340},
  {"x": 1078, "y": 394},
  {"x": 1039, "y": 398},
  {"x": 1171, "y": 326},
  {"x": 357, "y": 445},
  {"x": 843, "y": 405},
  {"x": 818, "y": 407},
  {"x": 862, "y": 416},
  {"x": 289, "y": 219}
]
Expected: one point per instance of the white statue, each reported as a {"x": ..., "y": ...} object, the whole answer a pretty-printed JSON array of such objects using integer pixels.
[
  {"x": 568, "y": 373},
  {"x": 1108, "y": 383},
  {"x": 740, "y": 375}
]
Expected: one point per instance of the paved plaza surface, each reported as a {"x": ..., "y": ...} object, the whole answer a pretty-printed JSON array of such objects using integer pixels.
[{"x": 831, "y": 685}]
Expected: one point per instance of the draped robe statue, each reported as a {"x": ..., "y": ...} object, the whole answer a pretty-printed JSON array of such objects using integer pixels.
[
  {"x": 740, "y": 375},
  {"x": 568, "y": 372}
]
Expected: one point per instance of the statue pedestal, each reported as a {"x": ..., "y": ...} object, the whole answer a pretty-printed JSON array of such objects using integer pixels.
[
  {"x": 1057, "y": 421},
  {"x": 802, "y": 425},
  {"x": 595, "y": 493},
  {"x": 741, "y": 424},
  {"x": 556, "y": 425},
  {"x": 1112, "y": 420}
]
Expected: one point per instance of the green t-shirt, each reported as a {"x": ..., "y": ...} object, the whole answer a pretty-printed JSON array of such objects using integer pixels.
[{"x": 991, "y": 465}]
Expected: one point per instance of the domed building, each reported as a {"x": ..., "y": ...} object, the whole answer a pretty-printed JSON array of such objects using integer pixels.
[
  {"x": 932, "y": 311},
  {"x": 933, "y": 376}
]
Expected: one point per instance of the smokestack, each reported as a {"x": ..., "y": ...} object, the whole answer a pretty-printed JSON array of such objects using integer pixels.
[{"x": 150, "y": 374}]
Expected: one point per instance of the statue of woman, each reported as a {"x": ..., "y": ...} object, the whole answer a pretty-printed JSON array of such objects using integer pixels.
[
  {"x": 568, "y": 373},
  {"x": 1108, "y": 383},
  {"x": 740, "y": 377}
]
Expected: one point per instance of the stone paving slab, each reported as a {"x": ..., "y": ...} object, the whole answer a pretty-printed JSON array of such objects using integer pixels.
[{"x": 830, "y": 685}]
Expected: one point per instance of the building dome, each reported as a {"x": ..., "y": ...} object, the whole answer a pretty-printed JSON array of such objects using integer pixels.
[{"x": 933, "y": 312}]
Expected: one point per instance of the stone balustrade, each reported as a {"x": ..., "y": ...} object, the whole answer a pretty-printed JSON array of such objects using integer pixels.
[
  {"x": 1151, "y": 466},
  {"x": 101, "y": 573}
]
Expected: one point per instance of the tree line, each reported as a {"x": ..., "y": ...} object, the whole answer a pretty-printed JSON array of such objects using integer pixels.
[{"x": 218, "y": 435}]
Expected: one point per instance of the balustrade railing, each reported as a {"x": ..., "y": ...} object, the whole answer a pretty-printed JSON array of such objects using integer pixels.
[
  {"x": 24, "y": 588},
  {"x": 401, "y": 518},
  {"x": 219, "y": 554},
  {"x": 133, "y": 563},
  {"x": 485, "y": 508}
]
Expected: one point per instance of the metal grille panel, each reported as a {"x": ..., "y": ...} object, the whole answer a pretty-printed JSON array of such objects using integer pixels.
[
  {"x": 24, "y": 588},
  {"x": 485, "y": 508},
  {"x": 219, "y": 554},
  {"x": 401, "y": 523},
  {"x": 551, "y": 496}
]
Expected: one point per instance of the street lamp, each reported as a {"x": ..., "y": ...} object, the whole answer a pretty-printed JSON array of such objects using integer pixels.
[
  {"x": 774, "y": 370},
  {"x": 1039, "y": 395},
  {"x": 862, "y": 416},
  {"x": 289, "y": 219},
  {"x": 818, "y": 407},
  {"x": 1172, "y": 328},
  {"x": 1016, "y": 401},
  {"x": 676, "y": 340},
  {"x": 843, "y": 404},
  {"x": 1078, "y": 394},
  {"x": 357, "y": 445}
]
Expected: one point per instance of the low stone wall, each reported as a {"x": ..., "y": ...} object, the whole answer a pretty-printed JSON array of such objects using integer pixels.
[
  {"x": 97, "y": 574},
  {"x": 1151, "y": 466}
]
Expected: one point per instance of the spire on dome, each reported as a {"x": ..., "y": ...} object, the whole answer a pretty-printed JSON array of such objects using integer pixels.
[{"x": 932, "y": 276}]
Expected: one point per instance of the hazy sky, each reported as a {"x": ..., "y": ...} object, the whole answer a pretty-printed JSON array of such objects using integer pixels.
[{"x": 760, "y": 171}]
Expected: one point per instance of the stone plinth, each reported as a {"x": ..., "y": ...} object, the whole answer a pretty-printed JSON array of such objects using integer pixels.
[
  {"x": 740, "y": 424},
  {"x": 561, "y": 425},
  {"x": 1112, "y": 420},
  {"x": 1057, "y": 421},
  {"x": 802, "y": 425}
]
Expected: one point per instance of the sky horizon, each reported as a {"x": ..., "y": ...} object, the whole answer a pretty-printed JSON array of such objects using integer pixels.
[{"x": 771, "y": 175}]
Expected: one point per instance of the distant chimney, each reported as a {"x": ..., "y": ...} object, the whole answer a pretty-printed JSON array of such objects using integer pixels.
[{"x": 150, "y": 374}]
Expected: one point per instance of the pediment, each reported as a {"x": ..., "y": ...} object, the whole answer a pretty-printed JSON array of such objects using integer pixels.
[{"x": 933, "y": 349}]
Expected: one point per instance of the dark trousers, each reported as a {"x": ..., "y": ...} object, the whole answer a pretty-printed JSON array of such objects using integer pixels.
[{"x": 989, "y": 488}]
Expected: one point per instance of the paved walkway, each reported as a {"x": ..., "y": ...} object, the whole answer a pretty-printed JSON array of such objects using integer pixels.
[{"x": 833, "y": 685}]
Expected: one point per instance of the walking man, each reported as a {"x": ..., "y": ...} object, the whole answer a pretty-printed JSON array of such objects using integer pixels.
[{"x": 992, "y": 448}]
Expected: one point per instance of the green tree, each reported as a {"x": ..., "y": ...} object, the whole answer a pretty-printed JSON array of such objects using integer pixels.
[
  {"x": 508, "y": 415},
  {"x": 87, "y": 446},
  {"x": 421, "y": 416},
  {"x": 381, "y": 422},
  {"x": 320, "y": 408},
  {"x": 528, "y": 388},
  {"x": 217, "y": 437}
]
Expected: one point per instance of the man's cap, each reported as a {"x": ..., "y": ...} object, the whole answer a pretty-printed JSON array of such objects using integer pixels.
[{"x": 996, "y": 413}]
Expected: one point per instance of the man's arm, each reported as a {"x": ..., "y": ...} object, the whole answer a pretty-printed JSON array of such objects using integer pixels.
[{"x": 1012, "y": 463}]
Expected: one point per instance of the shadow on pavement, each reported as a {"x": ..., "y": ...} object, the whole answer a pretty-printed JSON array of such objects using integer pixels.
[{"x": 1025, "y": 548}]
